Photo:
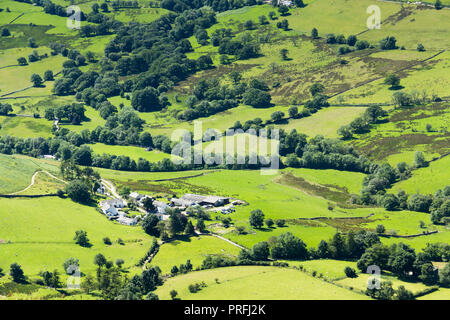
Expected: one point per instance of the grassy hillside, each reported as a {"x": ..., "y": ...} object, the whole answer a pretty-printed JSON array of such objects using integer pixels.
[{"x": 239, "y": 283}]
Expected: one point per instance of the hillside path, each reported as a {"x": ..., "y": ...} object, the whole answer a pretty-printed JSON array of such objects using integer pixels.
[{"x": 33, "y": 180}]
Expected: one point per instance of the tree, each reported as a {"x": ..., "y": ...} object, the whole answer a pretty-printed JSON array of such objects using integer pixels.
[
  {"x": 337, "y": 246},
  {"x": 256, "y": 219},
  {"x": 293, "y": 112},
  {"x": 345, "y": 132},
  {"x": 95, "y": 7},
  {"x": 390, "y": 202},
  {"x": 429, "y": 274},
  {"x": 104, "y": 7},
  {"x": 5, "y": 108},
  {"x": 173, "y": 294},
  {"x": 235, "y": 76},
  {"x": 150, "y": 225},
  {"x": 269, "y": 223},
  {"x": 257, "y": 98},
  {"x": 283, "y": 24},
  {"x": 189, "y": 229},
  {"x": 78, "y": 191},
  {"x": 32, "y": 43},
  {"x": 444, "y": 276},
  {"x": 260, "y": 251},
  {"x": 201, "y": 225},
  {"x": 386, "y": 292},
  {"x": 284, "y": 52},
  {"x": 272, "y": 15},
  {"x": 316, "y": 88},
  {"x": 401, "y": 259},
  {"x": 146, "y": 100},
  {"x": 350, "y": 272},
  {"x": 22, "y": 61},
  {"x": 419, "y": 202},
  {"x": 438, "y": 5},
  {"x": 393, "y": 80},
  {"x": 420, "y": 47},
  {"x": 283, "y": 10},
  {"x": 88, "y": 284},
  {"x": 174, "y": 270},
  {"x": 16, "y": 273},
  {"x": 419, "y": 160},
  {"x": 403, "y": 294},
  {"x": 288, "y": 246},
  {"x": 48, "y": 75},
  {"x": 119, "y": 262},
  {"x": 374, "y": 255},
  {"x": 81, "y": 238},
  {"x": 322, "y": 249},
  {"x": 314, "y": 33},
  {"x": 263, "y": 20},
  {"x": 124, "y": 191},
  {"x": 100, "y": 260},
  {"x": 36, "y": 80},
  {"x": 380, "y": 229},
  {"x": 277, "y": 116},
  {"x": 5, "y": 32},
  {"x": 351, "y": 40},
  {"x": 388, "y": 43},
  {"x": 280, "y": 222}
]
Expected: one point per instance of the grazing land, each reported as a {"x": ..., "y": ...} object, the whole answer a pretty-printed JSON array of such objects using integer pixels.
[{"x": 340, "y": 156}]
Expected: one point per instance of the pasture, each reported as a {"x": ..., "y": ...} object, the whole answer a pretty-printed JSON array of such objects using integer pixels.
[
  {"x": 261, "y": 283},
  {"x": 41, "y": 225},
  {"x": 195, "y": 249}
]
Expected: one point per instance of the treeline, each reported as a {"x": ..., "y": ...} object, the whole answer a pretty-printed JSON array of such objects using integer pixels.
[
  {"x": 217, "y": 5},
  {"x": 52, "y": 8},
  {"x": 155, "y": 51},
  {"x": 210, "y": 97}
]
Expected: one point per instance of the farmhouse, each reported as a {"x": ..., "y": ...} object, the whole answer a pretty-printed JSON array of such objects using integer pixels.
[
  {"x": 135, "y": 196},
  {"x": 160, "y": 207},
  {"x": 110, "y": 211},
  {"x": 127, "y": 221},
  {"x": 116, "y": 203},
  {"x": 205, "y": 200}
]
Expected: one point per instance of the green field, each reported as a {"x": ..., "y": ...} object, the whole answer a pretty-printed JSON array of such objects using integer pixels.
[
  {"x": 427, "y": 180},
  {"x": 133, "y": 152},
  {"x": 40, "y": 225},
  {"x": 239, "y": 283},
  {"x": 194, "y": 248},
  {"x": 16, "y": 171},
  {"x": 37, "y": 233}
]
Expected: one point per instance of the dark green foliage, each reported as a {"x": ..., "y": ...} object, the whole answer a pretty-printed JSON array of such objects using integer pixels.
[
  {"x": 256, "y": 219},
  {"x": 81, "y": 238}
]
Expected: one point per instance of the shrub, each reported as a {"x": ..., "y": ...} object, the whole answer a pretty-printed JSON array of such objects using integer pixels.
[{"x": 350, "y": 272}]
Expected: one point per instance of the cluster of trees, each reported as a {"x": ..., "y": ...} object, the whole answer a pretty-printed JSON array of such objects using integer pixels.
[
  {"x": 5, "y": 108},
  {"x": 403, "y": 261},
  {"x": 74, "y": 113},
  {"x": 51, "y": 8},
  {"x": 217, "y": 5},
  {"x": 285, "y": 246},
  {"x": 246, "y": 47},
  {"x": 325, "y": 153},
  {"x": 183, "y": 268},
  {"x": 118, "y": 4},
  {"x": 362, "y": 124},
  {"x": 210, "y": 97},
  {"x": 83, "y": 182}
]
